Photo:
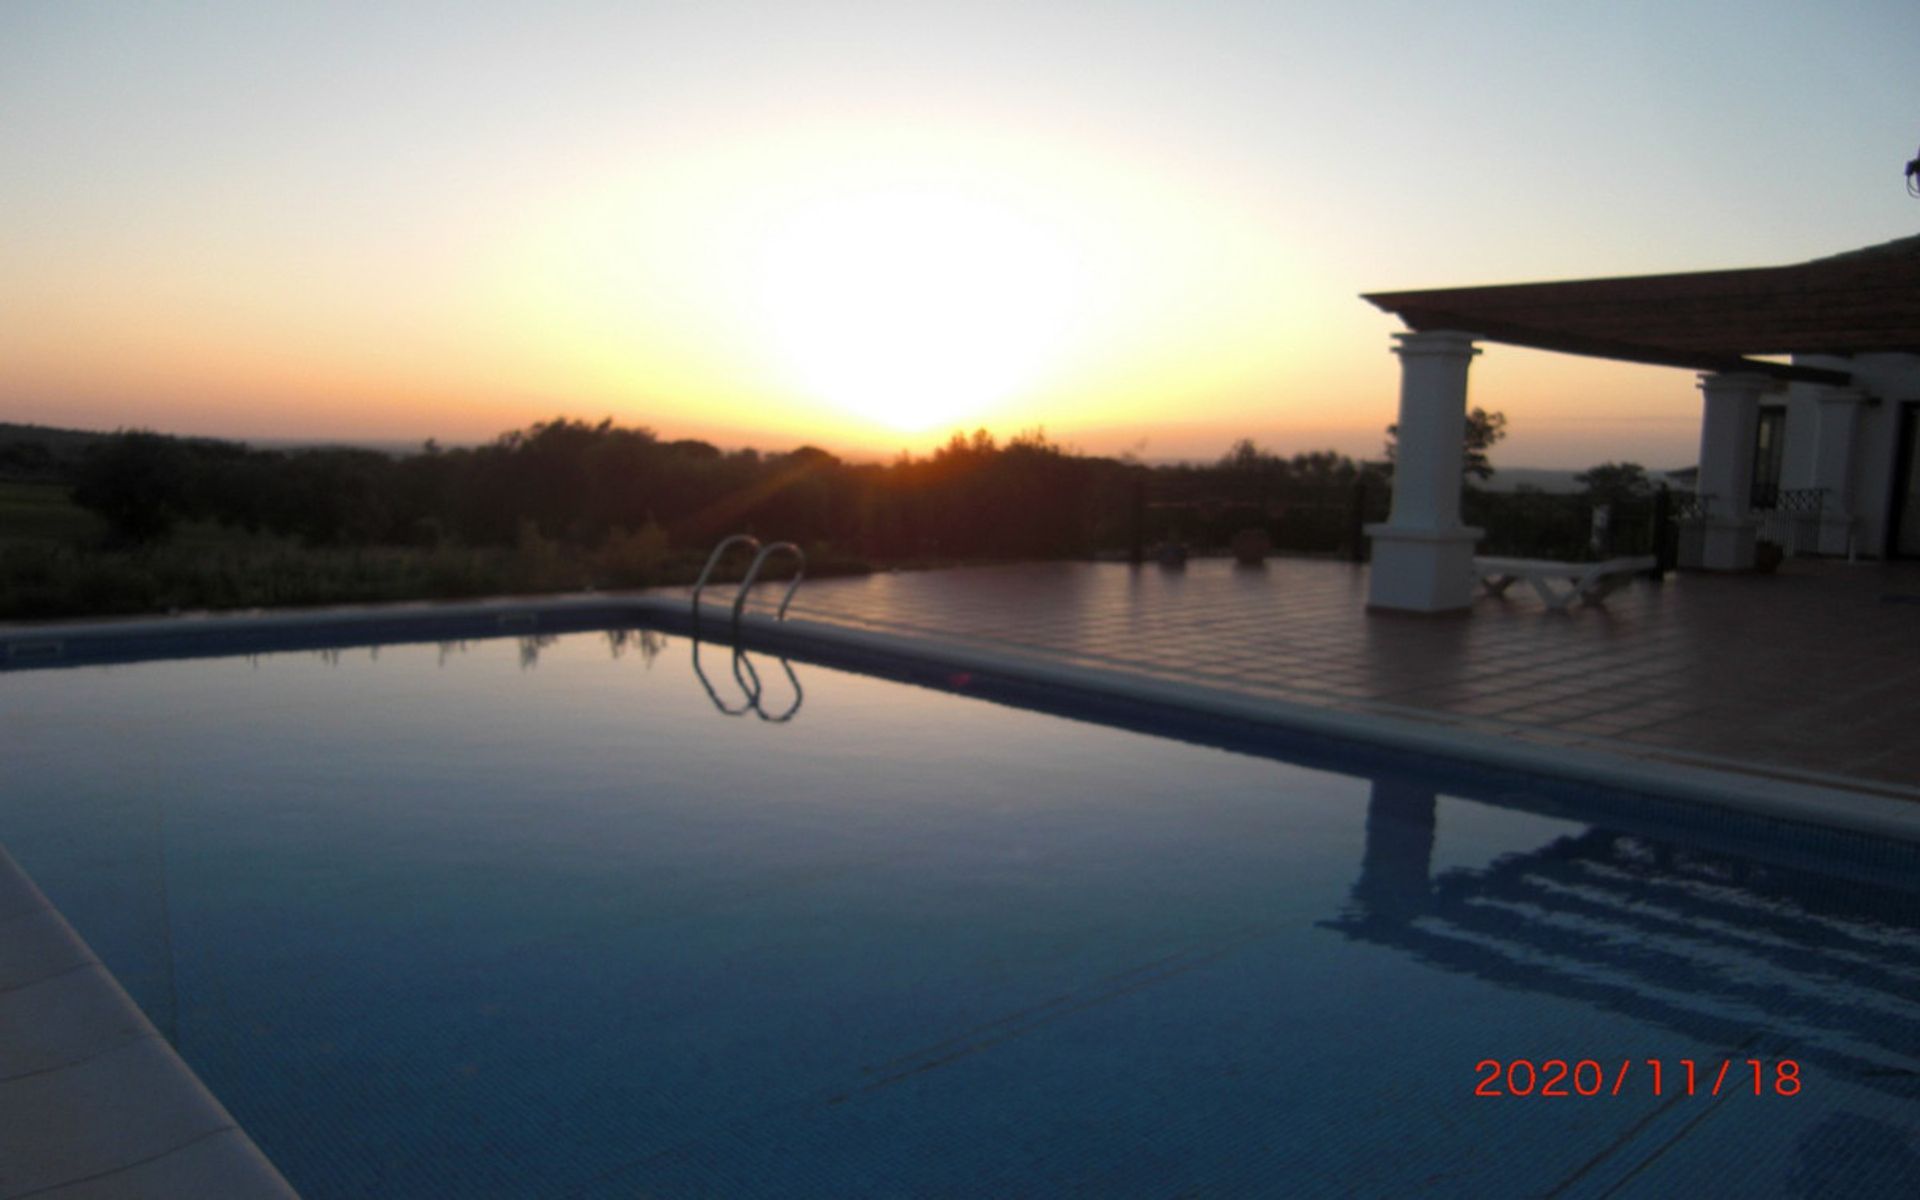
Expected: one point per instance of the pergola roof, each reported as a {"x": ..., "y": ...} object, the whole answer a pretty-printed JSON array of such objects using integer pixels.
[{"x": 1862, "y": 301}]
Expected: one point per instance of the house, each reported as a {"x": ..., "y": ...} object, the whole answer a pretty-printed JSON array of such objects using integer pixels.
[{"x": 1811, "y": 381}]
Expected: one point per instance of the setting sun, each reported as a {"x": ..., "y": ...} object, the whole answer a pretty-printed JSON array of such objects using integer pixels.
[
  {"x": 862, "y": 227},
  {"x": 914, "y": 307}
]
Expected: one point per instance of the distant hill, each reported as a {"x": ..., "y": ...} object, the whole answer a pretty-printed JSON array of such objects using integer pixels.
[
  {"x": 391, "y": 447},
  {"x": 46, "y": 451},
  {"x": 67, "y": 442},
  {"x": 41, "y": 452},
  {"x": 19, "y": 458},
  {"x": 1509, "y": 479},
  {"x": 58, "y": 441}
]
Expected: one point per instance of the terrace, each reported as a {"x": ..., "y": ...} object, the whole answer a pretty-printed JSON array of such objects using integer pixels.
[{"x": 1811, "y": 675}]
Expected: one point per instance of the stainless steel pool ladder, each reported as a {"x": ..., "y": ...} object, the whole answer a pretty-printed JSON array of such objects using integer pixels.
[
  {"x": 749, "y": 683},
  {"x": 750, "y": 687},
  {"x": 752, "y": 576}
]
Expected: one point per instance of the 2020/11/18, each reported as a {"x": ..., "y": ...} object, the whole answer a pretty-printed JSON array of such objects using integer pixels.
[{"x": 1587, "y": 1077}]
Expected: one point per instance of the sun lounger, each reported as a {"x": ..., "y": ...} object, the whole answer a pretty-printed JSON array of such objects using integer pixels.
[{"x": 1560, "y": 583}]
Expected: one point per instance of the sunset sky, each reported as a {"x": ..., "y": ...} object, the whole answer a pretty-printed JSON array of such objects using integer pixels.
[{"x": 1141, "y": 226}]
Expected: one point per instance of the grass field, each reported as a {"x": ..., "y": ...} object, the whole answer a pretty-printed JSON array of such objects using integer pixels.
[{"x": 44, "y": 514}]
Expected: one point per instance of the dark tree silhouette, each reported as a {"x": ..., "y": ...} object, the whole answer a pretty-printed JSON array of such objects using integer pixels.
[
  {"x": 138, "y": 483},
  {"x": 1615, "y": 483},
  {"x": 1483, "y": 429}
]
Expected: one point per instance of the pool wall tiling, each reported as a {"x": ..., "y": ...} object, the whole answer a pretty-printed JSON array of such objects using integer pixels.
[{"x": 93, "y": 1101}]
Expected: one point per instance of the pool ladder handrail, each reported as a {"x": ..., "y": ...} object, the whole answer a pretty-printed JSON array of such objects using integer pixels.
[
  {"x": 750, "y": 686},
  {"x": 752, "y": 576},
  {"x": 751, "y": 691},
  {"x": 757, "y": 690},
  {"x": 713, "y": 693},
  {"x": 713, "y": 560}
]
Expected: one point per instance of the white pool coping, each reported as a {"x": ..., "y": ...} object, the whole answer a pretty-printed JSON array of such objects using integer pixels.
[
  {"x": 94, "y": 1103},
  {"x": 1805, "y": 803}
]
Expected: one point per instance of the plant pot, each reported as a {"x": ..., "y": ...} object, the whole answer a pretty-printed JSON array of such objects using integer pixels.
[{"x": 1250, "y": 547}]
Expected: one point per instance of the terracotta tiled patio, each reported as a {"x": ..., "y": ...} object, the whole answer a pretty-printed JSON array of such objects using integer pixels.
[{"x": 1812, "y": 673}]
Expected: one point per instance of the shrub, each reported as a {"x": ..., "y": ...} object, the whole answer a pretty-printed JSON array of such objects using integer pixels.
[{"x": 631, "y": 559}]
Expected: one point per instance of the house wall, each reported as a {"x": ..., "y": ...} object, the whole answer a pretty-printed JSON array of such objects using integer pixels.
[
  {"x": 1799, "y": 469},
  {"x": 1803, "y": 415},
  {"x": 1889, "y": 380}
]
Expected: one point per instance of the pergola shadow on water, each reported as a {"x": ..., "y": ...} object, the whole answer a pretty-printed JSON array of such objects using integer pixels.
[
  {"x": 1762, "y": 959},
  {"x": 1842, "y": 430}
]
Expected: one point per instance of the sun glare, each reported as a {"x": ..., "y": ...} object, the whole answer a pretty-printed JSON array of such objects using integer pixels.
[{"x": 915, "y": 308}]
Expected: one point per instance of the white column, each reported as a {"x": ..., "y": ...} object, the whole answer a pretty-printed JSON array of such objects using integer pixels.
[
  {"x": 1422, "y": 555},
  {"x": 1727, "y": 431},
  {"x": 1835, "y": 431}
]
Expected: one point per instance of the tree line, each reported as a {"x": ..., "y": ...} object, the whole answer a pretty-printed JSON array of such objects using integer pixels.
[
  {"x": 581, "y": 484},
  {"x": 563, "y": 504}
]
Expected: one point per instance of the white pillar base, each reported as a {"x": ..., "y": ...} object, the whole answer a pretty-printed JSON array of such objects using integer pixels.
[
  {"x": 1421, "y": 570},
  {"x": 1727, "y": 544}
]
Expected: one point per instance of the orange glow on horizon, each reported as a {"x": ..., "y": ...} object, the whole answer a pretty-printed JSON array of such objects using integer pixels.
[
  {"x": 867, "y": 297},
  {"x": 869, "y": 294},
  {"x": 864, "y": 228}
]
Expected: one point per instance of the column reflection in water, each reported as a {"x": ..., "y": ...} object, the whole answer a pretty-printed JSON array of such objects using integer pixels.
[{"x": 1775, "y": 958}]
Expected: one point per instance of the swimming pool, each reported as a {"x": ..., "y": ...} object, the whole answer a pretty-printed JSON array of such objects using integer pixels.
[{"x": 532, "y": 917}]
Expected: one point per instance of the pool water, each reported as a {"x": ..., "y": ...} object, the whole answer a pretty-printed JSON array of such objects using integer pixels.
[{"x": 536, "y": 917}]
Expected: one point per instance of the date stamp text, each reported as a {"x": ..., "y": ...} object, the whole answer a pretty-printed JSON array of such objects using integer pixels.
[{"x": 1636, "y": 1076}]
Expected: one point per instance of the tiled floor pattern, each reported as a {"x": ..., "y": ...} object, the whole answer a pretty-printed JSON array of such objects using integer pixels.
[{"x": 1812, "y": 672}]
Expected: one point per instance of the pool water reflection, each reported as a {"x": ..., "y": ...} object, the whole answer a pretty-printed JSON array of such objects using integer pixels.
[{"x": 531, "y": 917}]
